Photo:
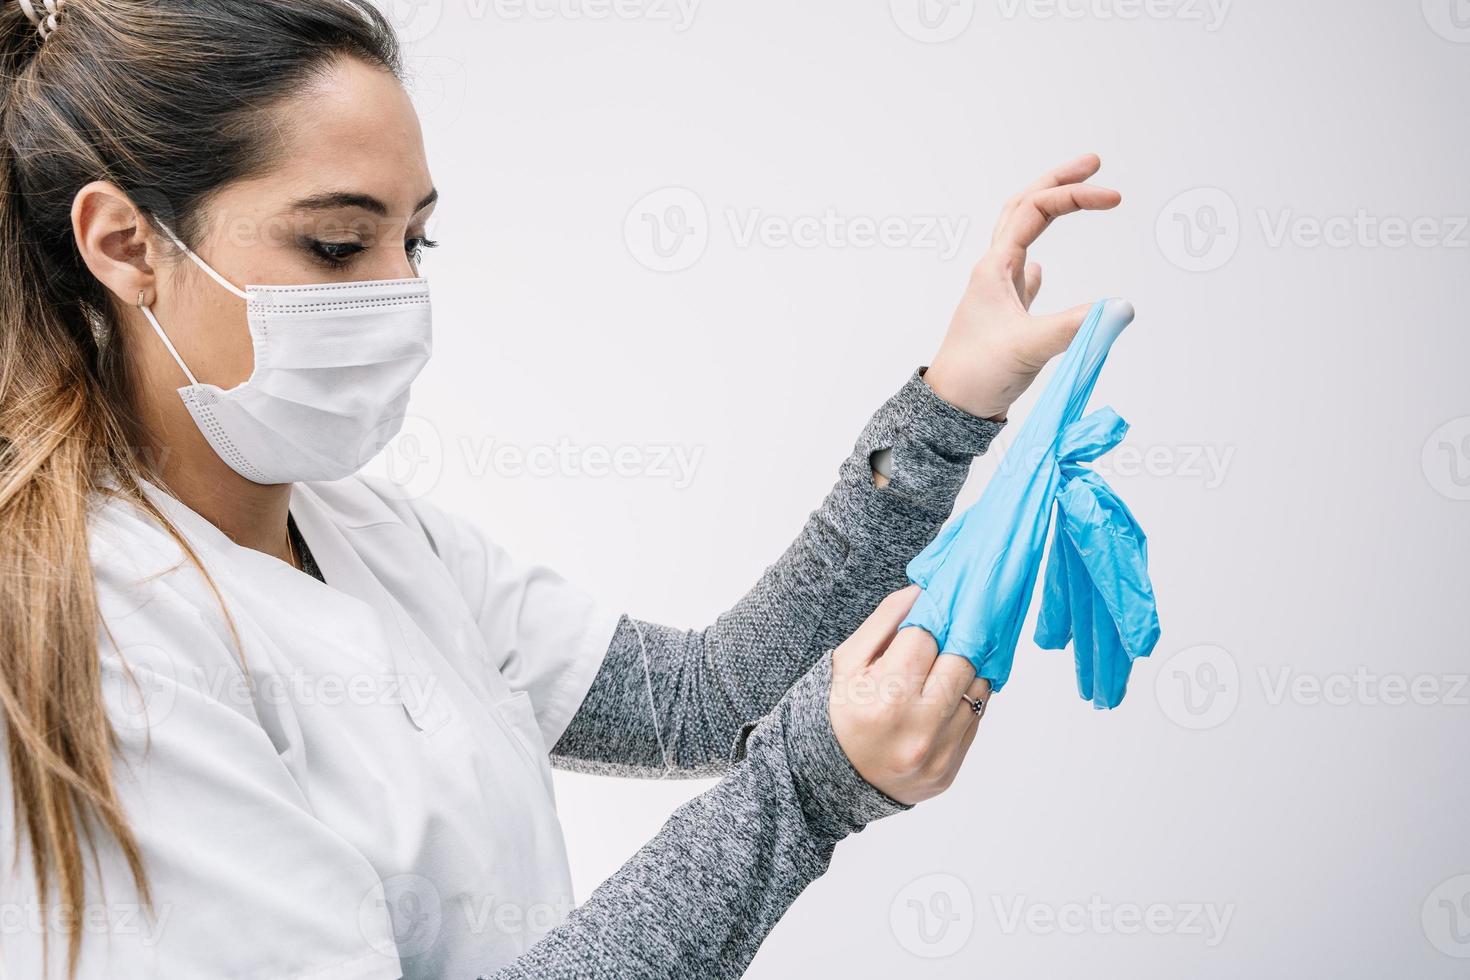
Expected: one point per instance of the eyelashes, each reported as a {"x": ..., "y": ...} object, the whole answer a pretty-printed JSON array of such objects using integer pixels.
[
  {"x": 416, "y": 247},
  {"x": 337, "y": 255}
]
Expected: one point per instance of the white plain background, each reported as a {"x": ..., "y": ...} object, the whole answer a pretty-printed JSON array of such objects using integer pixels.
[{"x": 1292, "y": 759}]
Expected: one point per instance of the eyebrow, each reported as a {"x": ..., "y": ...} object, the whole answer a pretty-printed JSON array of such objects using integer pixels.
[{"x": 334, "y": 200}]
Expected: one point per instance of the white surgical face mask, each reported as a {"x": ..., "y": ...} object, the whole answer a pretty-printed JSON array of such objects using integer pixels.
[{"x": 333, "y": 368}]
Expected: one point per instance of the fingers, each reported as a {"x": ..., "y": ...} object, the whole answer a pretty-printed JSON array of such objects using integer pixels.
[
  {"x": 960, "y": 728},
  {"x": 1054, "y": 332},
  {"x": 1071, "y": 172},
  {"x": 909, "y": 660},
  {"x": 869, "y": 640},
  {"x": 948, "y": 679},
  {"x": 964, "y": 730},
  {"x": 1031, "y": 285},
  {"x": 979, "y": 691},
  {"x": 1035, "y": 213}
]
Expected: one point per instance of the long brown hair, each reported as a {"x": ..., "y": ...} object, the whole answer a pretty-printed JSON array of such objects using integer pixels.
[{"x": 170, "y": 100}]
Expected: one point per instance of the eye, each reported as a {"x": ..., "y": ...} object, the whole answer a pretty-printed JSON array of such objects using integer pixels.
[
  {"x": 337, "y": 253},
  {"x": 415, "y": 247}
]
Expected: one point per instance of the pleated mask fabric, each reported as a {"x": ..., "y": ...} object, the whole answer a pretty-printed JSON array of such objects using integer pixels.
[{"x": 334, "y": 365}]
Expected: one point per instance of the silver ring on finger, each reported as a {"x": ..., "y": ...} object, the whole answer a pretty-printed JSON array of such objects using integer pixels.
[{"x": 977, "y": 705}]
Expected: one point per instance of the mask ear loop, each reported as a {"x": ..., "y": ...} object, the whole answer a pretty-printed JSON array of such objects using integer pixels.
[
  {"x": 203, "y": 264},
  {"x": 158, "y": 329}
]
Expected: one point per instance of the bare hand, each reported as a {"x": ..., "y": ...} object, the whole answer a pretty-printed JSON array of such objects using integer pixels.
[
  {"x": 995, "y": 348},
  {"x": 896, "y": 704}
]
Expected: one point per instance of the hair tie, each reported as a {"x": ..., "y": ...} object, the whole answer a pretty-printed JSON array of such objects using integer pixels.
[{"x": 45, "y": 22}]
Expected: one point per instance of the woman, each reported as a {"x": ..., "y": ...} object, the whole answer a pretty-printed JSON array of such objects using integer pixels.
[{"x": 265, "y": 720}]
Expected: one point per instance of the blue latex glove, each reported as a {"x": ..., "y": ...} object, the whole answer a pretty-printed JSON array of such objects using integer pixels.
[{"x": 978, "y": 575}]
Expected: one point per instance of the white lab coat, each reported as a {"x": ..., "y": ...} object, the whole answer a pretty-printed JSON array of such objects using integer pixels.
[{"x": 378, "y": 801}]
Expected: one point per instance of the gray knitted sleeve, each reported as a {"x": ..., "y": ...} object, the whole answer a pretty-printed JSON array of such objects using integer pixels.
[
  {"x": 747, "y": 698},
  {"x": 701, "y": 687}
]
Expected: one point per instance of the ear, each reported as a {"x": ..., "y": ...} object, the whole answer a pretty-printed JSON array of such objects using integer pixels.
[{"x": 116, "y": 243}]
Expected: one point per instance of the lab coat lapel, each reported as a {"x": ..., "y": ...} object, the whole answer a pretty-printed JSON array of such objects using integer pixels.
[{"x": 345, "y": 571}]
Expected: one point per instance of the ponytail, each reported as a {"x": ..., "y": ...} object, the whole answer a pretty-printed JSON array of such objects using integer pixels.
[
  {"x": 58, "y": 431},
  {"x": 85, "y": 99}
]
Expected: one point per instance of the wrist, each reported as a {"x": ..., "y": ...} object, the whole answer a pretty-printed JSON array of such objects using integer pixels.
[
  {"x": 984, "y": 401},
  {"x": 835, "y": 797}
]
